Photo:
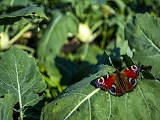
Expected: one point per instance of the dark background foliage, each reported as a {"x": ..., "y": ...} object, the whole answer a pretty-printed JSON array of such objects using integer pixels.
[{"x": 68, "y": 37}]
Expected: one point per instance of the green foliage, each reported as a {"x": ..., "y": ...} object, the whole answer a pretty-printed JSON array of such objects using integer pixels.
[
  {"x": 91, "y": 103},
  {"x": 143, "y": 35},
  {"x": 8, "y": 102},
  {"x": 88, "y": 101},
  {"x": 56, "y": 35},
  {"x": 22, "y": 20},
  {"x": 67, "y": 38},
  {"x": 20, "y": 81},
  {"x": 25, "y": 12}
]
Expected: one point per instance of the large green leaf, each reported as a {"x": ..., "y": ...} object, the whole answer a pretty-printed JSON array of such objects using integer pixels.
[
  {"x": 20, "y": 76},
  {"x": 84, "y": 101},
  {"x": 15, "y": 3},
  {"x": 142, "y": 32},
  {"x": 53, "y": 40},
  {"x": 56, "y": 35},
  {"x": 31, "y": 11}
]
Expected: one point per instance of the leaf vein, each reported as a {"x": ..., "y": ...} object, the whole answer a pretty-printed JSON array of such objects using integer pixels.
[
  {"x": 145, "y": 101},
  {"x": 87, "y": 97},
  {"x": 149, "y": 39}
]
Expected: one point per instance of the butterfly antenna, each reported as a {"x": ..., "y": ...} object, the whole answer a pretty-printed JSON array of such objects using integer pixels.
[{"x": 110, "y": 61}]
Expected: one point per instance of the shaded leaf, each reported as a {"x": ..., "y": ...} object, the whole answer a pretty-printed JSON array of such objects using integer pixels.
[
  {"x": 31, "y": 11},
  {"x": 16, "y": 3},
  {"x": 128, "y": 60},
  {"x": 106, "y": 60},
  {"x": 147, "y": 74},
  {"x": 6, "y": 106},
  {"x": 142, "y": 32},
  {"x": 66, "y": 68}
]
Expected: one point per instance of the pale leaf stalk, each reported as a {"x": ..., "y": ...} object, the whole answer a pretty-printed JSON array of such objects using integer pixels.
[
  {"x": 86, "y": 50},
  {"x": 87, "y": 43},
  {"x": 26, "y": 48},
  {"x": 98, "y": 24},
  {"x": 94, "y": 35},
  {"x": 15, "y": 38}
]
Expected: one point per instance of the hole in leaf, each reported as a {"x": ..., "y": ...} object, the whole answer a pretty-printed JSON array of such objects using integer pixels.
[
  {"x": 2, "y": 96},
  {"x": 78, "y": 109},
  {"x": 33, "y": 13},
  {"x": 16, "y": 112}
]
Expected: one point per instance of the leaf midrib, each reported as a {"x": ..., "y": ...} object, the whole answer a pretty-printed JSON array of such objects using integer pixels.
[
  {"x": 18, "y": 89},
  {"x": 82, "y": 101},
  {"x": 149, "y": 39}
]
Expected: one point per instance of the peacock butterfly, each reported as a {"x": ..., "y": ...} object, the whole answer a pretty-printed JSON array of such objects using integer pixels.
[{"x": 120, "y": 82}]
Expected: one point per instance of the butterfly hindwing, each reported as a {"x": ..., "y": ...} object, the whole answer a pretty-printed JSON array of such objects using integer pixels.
[
  {"x": 128, "y": 84},
  {"x": 116, "y": 88},
  {"x": 129, "y": 76}
]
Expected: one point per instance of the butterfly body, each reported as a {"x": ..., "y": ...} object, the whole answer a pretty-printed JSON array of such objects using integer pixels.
[{"x": 120, "y": 82}]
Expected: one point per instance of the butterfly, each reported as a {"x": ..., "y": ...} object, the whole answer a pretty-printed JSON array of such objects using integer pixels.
[{"x": 119, "y": 82}]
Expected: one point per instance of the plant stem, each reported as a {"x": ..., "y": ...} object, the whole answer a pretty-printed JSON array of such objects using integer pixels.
[
  {"x": 104, "y": 34},
  {"x": 7, "y": 28},
  {"x": 86, "y": 50},
  {"x": 98, "y": 24},
  {"x": 25, "y": 48},
  {"x": 15, "y": 38}
]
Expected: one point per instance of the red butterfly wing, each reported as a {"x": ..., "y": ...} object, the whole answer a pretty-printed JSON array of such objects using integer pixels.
[
  {"x": 116, "y": 88},
  {"x": 131, "y": 72},
  {"x": 106, "y": 82},
  {"x": 128, "y": 78},
  {"x": 111, "y": 84}
]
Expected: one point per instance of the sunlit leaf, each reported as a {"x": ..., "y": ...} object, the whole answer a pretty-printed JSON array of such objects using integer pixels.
[
  {"x": 20, "y": 76},
  {"x": 84, "y": 101},
  {"x": 142, "y": 32}
]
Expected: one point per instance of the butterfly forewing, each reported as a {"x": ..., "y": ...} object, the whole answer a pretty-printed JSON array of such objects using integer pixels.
[
  {"x": 106, "y": 82},
  {"x": 111, "y": 83},
  {"x": 131, "y": 72}
]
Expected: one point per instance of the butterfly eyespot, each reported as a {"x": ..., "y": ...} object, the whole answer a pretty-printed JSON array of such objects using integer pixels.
[
  {"x": 99, "y": 82},
  {"x": 133, "y": 81},
  {"x": 113, "y": 90},
  {"x": 135, "y": 68}
]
